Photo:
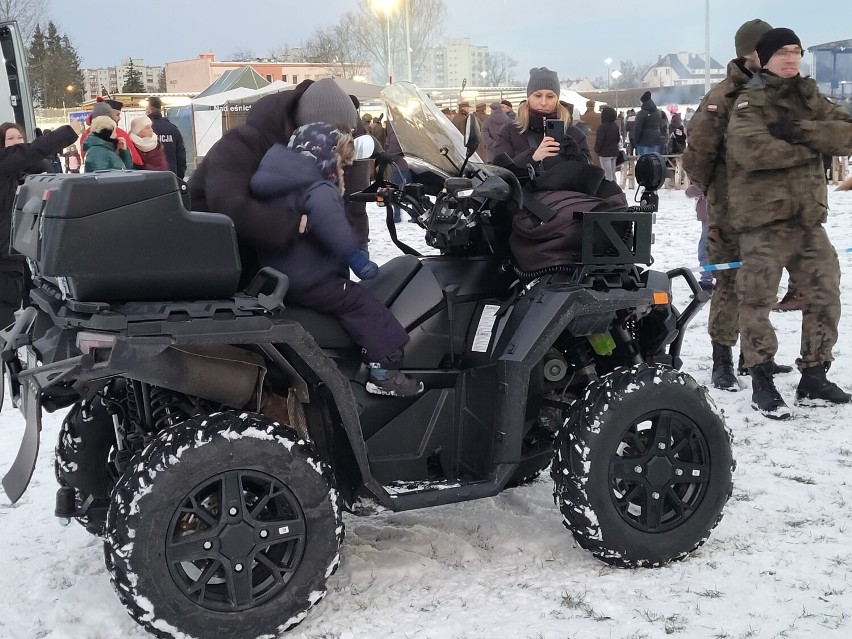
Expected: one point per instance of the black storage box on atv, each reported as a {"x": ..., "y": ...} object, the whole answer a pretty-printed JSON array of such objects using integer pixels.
[{"x": 158, "y": 250}]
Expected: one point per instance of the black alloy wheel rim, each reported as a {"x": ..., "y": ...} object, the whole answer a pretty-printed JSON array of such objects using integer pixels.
[
  {"x": 235, "y": 540},
  {"x": 659, "y": 471}
]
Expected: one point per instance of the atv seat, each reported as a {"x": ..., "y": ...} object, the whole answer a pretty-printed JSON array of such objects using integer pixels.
[{"x": 386, "y": 286}]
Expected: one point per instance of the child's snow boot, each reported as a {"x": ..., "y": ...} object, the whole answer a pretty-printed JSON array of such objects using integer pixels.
[{"x": 386, "y": 378}]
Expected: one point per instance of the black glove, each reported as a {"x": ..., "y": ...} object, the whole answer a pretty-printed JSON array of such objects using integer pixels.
[
  {"x": 570, "y": 150},
  {"x": 787, "y": 130}
]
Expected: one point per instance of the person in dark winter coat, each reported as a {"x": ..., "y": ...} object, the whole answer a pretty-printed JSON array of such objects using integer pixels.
[
  {"x": 524, "y": 141},
  {"x": 305, "y": 179},
  {"x": 646, "y": 129},
  {"x": 629, "y": 124},
  {"x": 356, "y": 177},
  {"x": 169, "y": 136},
  {"x": 507, "y": 109},
  {"x": 677, "y": 135},
  {"x": 400, "y": 173},
  {"x": 491, "y": 128},
  {"x": 221, "y": 182},
  {"x": 72, "y": 159},
  {"x": 592, "y": 119},
  {"x": 17, "y": 159},
  {"x": 607, "y": 142}
]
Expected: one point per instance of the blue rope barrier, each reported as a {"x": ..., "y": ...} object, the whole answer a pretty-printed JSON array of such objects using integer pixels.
[{"x": 729, "y": 266}]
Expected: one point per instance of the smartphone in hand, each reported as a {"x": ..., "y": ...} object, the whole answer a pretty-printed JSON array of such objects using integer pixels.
[{"x": 555, "y": 129}]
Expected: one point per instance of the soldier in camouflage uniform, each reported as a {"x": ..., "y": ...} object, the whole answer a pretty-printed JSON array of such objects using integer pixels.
[
  {"x": 704, "y": 162},
  {"x": 779, "y": 127}
]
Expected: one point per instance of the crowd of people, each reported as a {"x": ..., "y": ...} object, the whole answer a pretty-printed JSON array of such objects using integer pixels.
[{"x": 753, "y": 151}]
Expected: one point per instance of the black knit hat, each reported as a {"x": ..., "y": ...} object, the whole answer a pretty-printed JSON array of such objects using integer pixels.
[
  {"x": 747, "y": 36},
  {"x": 115, "y": 104},
  {"x": 542, "y": 79},
  {"x": 645, "y": 96},
  {"x": 324, "y": 101},
  {"x": 773, "y": 40}
]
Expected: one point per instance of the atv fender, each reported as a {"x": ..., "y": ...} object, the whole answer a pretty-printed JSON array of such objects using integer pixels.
[{"x": 537, "y": 320}]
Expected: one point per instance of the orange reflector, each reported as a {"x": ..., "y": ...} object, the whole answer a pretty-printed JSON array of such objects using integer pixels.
[{"x": 661, "y": 297}]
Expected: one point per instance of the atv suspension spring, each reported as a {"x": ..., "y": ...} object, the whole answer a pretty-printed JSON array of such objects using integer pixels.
[{"x": 169, "y": 407}]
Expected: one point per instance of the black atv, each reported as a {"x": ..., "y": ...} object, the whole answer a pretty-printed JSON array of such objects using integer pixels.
[{"x": 215, "y": 437}]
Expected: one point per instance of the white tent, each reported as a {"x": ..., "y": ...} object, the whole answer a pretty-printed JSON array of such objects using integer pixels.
[{"x": 207, "y": 112}]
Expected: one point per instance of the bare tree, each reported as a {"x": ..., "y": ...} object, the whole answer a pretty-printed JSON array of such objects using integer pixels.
[
  {"x": 286, "y": 53},
  {"x": 242, "y": 55},
  {"x": 28, "y": 13},
  {"x": 336, "y": 48},
  {"x": 632, "y": 74},
  {"x": 498, "y": 66}
]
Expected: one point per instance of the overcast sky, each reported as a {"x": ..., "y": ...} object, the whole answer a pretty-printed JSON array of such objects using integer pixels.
[{"x": 573, "y": 38}]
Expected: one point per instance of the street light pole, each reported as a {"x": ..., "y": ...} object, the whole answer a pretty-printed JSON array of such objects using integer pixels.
[
  {"x": 706, "y": 46},
  {"x": 615, "y": 75},
  {"x": 408, "y": 42},
  {"x": 387, "y": 6},
  {"x": 388, "y": 49},
  {"x": 607, "y": 62}
]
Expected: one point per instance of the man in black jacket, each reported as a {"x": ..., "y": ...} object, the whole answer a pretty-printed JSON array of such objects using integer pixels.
[
  {"x": 221, "y": 182},
  {"x": 646, "y": 129},
  {"x": 169, "y": 137}
]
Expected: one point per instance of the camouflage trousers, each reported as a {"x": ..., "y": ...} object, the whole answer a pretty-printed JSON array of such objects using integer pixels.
[
  {"x": 723, "y": 323},
  {"x": 810, "y": 258}
]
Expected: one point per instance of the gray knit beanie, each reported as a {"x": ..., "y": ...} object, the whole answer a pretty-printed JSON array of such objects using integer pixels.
[
  {"x": 541, "y": 79},
  {"x": 101, "y": 108},
  {"x": 745, "y": 40},
  {"x": 324, "y": 101}
]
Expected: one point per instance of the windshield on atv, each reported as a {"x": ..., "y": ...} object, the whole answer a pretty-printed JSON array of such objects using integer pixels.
[{"x": 423, "y": 131}]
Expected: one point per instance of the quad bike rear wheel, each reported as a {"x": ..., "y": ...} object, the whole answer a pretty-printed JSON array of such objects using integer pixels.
[
  {"x": 643, "y": 470},
  {"x": 226, "y": 525}
]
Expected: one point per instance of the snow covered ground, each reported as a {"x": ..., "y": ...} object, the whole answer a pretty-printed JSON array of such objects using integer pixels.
[{"x": 778, "y": 565}]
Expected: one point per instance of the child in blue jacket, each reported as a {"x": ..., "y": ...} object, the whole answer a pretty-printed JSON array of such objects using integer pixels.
[{"x": 307, "y": 176}]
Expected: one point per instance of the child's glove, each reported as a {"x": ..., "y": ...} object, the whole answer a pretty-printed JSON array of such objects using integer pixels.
[{"x": 361, "y": 265}]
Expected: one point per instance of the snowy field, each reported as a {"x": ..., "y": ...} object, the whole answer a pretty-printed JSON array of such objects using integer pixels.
[{"x": 778, "y": 565}]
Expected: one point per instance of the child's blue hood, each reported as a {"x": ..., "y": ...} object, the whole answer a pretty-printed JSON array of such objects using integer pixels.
[{"x": 283, "y": 171}]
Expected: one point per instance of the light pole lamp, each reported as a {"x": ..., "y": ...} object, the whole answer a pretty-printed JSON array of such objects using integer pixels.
[
  {"x": 386, "y": 6},
  {"x": 607, "y": 62},
  {"x": 615, "y": 75}
]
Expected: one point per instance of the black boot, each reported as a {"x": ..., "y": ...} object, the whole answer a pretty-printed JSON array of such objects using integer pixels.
[
  {"x": 764, "y": 396},
  {"x": 777, "y": 369},
  {"x": 815, "y": 389},
  {"x": 723, "y": 368},
  {"x": 387, "y": 379}
]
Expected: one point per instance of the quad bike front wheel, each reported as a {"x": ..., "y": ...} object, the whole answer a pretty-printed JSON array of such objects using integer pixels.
[
  {"x": 643, "y": 469},
  {"x": 226, "y": 525}
]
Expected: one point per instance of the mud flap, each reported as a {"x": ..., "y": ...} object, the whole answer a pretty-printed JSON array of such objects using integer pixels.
[{"x": 18, "y": 478}]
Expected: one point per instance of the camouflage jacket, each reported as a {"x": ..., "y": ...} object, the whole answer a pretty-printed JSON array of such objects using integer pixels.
[
  {"x": 770, "y": 180},
  {"x": 704, "y": 157}
]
